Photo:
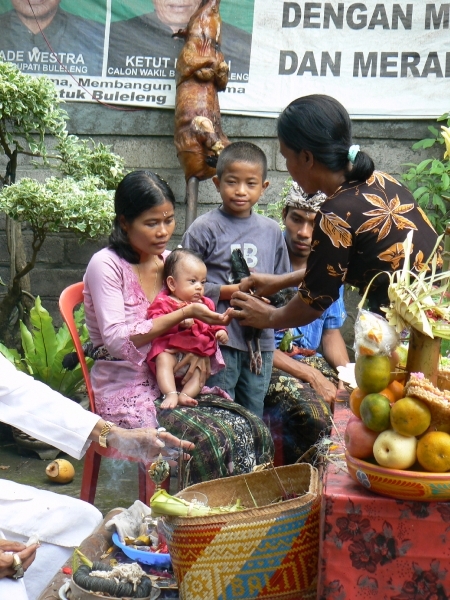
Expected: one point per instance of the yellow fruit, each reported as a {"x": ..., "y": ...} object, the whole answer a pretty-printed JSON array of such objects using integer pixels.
[
  {"x": 60, "y": 471},
  {"x": 372, "y": 373},
  {"x": 356, "y": 397},
  {"x": 375, "y": 412},
  {"x": 410, "y": 416},
  {"x": 433, "y": 451}
]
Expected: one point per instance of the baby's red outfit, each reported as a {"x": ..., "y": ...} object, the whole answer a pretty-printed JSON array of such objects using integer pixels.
[{"x": 199, "y": 339}]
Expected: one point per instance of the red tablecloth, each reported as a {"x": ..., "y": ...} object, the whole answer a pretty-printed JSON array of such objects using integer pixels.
[{"x": 376, "y": 547}]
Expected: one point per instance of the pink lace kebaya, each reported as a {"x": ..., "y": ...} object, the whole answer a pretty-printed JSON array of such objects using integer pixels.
[{"x": 125, "y": 389}]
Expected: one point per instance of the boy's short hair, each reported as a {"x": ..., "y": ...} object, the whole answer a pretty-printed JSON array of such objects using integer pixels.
[
  {"x": 241, "y": 152},
  {"x": 174, "y": 258}
]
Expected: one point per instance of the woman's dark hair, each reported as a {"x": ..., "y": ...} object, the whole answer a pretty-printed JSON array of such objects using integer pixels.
[
  {"x": 170, "y": 264},
  {"x": 137, "y": 192},
  {"x": 321, "y": 125}
]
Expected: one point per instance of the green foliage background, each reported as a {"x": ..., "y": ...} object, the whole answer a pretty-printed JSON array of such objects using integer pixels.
[
  {"x": 429, "y": 180},
  {"x": 44, "y": 349}
]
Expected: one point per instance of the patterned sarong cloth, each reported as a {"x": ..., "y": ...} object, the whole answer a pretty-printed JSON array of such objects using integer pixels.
[
  {"x": 229, "y": 439},
  {"x": 303, "y": 414}
]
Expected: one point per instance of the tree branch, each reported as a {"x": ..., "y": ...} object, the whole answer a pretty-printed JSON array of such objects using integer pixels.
[
  {"x": 3, "y": 143},
  {"x": 38, "y": 240}
]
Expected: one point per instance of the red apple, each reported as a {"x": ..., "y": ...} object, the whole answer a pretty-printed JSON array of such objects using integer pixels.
[{"x": 359, "y": 439}]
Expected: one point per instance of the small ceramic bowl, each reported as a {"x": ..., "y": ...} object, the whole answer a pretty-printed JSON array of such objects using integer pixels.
[{"x": 402, "y": 485}]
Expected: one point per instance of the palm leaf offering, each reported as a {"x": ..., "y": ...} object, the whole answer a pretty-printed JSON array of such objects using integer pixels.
[
  {"x": 420, "y": 300},
  {"x": 165, "y": 505}
]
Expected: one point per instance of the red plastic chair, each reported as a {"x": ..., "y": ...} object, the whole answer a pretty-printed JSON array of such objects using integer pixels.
[{"x": 68, "y": 300}]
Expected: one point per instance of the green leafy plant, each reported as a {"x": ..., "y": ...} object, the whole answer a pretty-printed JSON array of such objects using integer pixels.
[
  {"x": 274, "y": 210},
  {"x": 429, "y": 181},
  {"x": 79, "y": 200},
  {"x": 44, "y": 349}
]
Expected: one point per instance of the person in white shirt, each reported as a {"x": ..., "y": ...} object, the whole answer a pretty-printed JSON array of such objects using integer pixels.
[{"x": 59, "y": 522}]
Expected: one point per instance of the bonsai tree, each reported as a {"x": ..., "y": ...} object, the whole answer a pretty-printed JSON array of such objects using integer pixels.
[{"x": 77, "y": 199}]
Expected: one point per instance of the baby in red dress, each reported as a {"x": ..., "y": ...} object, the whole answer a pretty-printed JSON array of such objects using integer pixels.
[{"x": 184, "y": 276}]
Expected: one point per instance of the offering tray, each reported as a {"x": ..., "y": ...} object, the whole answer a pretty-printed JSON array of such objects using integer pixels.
[{"x": 395, "y": 483}]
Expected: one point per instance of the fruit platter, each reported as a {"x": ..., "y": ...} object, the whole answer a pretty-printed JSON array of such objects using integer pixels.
[
  {"x": 397, "y": 440},
  {"x": 387, "y": 519},
  {"x": 397, "y": 483}
]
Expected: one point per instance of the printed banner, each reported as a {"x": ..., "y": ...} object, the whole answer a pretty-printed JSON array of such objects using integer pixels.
[{"x": 381, "y": 60}]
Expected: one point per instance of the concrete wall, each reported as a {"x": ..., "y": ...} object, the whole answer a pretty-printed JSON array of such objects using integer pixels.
[{"x": 144, "y": 139}]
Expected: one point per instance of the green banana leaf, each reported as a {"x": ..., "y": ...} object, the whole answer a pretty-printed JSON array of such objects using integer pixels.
[
  {"x": 43, "y": 335},
  {"x": 44, "y": 349},
  {"x": 14, "y": 357}
]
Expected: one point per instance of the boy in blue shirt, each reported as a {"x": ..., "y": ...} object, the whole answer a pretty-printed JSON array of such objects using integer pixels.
[
  {"x": 299, "y": 213},
  {"x": 240, "y": 181}
]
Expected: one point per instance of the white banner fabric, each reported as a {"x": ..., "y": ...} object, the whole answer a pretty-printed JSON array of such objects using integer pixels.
[{"x": 380, "y": 59}]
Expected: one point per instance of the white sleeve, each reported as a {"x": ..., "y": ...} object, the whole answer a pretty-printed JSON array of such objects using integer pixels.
[{"x": 39, "y": 411}]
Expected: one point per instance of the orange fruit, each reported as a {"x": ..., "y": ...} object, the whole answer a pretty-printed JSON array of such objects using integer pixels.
[
  {"x": 356, "y": 397},
  {"x": 389, "y": 394},
  {"x": 433, "y": 451},
  {"x": 375, "y": 412},
  {"x": 397, "y": 389},
  {"x": 372, "y": 373},
  {"x": 410, "y": 416}
]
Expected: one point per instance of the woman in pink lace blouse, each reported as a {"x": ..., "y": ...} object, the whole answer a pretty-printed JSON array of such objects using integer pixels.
[{"x": 120, "y": 283}]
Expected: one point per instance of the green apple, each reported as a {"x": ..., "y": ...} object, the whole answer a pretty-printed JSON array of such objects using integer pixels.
[{"x": 395, "y": 451}]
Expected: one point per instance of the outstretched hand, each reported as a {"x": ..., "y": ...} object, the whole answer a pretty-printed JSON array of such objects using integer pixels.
[
  {"x": 147, "y": 443},
  {"x": 203, "y": 313}
]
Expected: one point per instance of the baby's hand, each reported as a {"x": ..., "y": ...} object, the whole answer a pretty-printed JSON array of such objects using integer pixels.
[
  {"x": 222, "y": 337},
  {"x": 187, "y": 323}
]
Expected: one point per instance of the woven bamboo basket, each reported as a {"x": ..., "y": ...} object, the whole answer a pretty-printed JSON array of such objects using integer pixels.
[{"x": 265, "y": 551}]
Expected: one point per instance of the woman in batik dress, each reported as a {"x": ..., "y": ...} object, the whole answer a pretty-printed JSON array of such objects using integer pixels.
[{"x": 359, "y": 231}]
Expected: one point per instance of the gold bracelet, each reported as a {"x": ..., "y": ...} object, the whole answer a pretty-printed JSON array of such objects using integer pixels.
[{"x": 184, "y": 318}]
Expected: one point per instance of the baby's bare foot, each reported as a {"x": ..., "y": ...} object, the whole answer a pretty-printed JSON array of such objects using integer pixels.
[
  {"x": 170, "y": 400},
  {"x": 185, "y": 400}
]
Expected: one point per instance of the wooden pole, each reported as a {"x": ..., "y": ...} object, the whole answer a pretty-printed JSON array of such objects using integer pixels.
[
  {"x": 191, "y": 201},
  {"x": 423, "y": 355}
]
